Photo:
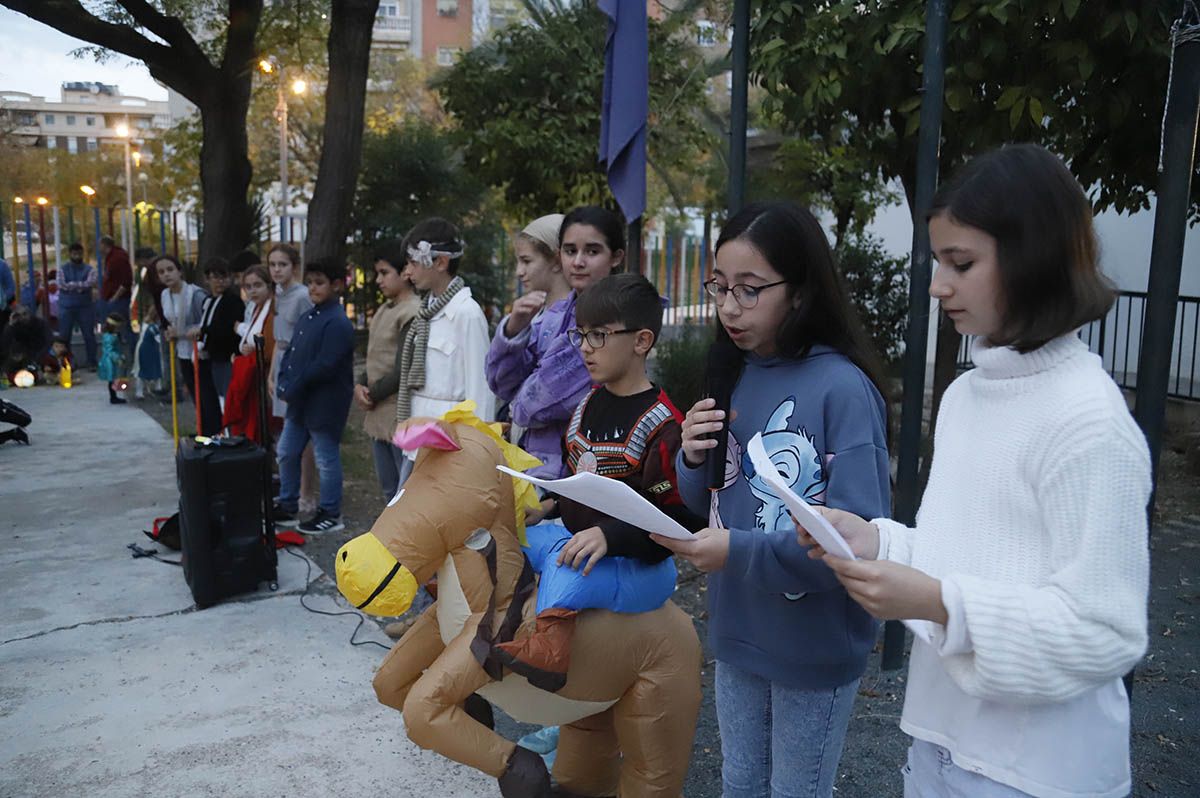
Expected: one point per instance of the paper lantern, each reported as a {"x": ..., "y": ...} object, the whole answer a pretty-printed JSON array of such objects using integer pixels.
[{"x": 23, "y": 379}]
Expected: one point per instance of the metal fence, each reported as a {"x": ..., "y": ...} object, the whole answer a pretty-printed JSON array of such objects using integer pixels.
[{"x": 1117, "y": 338}]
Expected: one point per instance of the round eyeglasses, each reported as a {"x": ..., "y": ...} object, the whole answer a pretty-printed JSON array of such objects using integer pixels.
[
  {"x": 595, "y": 338},
  {"x": 745, "y": 295}
]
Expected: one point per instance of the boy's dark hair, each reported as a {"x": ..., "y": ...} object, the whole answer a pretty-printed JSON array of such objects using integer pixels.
[
  {"x": 792, "y": 241},
  {"x": 608, "y": 223},
  {"x": 75, "y": 247},
  {"x": 144, "y": 253},
  {"x": 392, "y": 252},
  {"x": 441, "y": 235},
  {"x": 244, "y": 260},
  {"x": 332, "y": 268},
  {"x": 1023, "y": 196},
  {"x": 216, "y": 265},
  {"x": 627, "y": 299}
]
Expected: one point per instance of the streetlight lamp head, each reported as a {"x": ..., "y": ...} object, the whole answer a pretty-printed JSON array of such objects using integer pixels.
[
  {"x": 266, "y": 66},
  {"x": 299, "y": 86},
  {"x": 137, "y": 158},
  {"x": 122, "y": 130},
  {"x": 43, "y": 201},
  {"x": 18, "y": 200},
  {"x": 88, "y": 190}
]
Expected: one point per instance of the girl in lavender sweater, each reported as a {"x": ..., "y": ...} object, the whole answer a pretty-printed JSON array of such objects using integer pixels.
[{"x": 531, "y": 364}]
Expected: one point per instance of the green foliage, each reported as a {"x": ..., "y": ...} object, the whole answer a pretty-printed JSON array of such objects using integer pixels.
[
  {"x": 837, "y": 178},
  {"x": 527, "y": 108},
  {"x": 679, "y": 365},
  {"x": 1088, "y": 82},
  {"x": 877, "y": 284},
  {"x": 414, "y": 171}
]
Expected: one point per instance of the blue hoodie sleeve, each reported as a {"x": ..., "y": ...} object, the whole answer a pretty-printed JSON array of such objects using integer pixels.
[
  {"x": 692, "y": 489},
  {"x": 857, "y": 480}
]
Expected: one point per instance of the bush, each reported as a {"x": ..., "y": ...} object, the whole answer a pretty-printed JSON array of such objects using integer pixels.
[
  {"x": 877, "y": 284},
  {"x": 679, "y": 363}
]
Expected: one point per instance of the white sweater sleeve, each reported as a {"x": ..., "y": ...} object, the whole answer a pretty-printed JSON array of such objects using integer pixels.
[
  {"x": 1085, "y": 622},
  {"x": 895, "y": 540}
]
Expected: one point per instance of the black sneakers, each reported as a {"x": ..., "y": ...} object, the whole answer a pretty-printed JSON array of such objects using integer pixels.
[
  {"x": 284, "y": 517},
  {"x": 321, "y": 523}
]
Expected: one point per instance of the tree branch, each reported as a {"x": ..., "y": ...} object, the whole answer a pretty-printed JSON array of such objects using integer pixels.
[
  {"x": 175, "y": 68},
  {"x": 169, "y": 29},
  {"x": 244, "y": 19}
]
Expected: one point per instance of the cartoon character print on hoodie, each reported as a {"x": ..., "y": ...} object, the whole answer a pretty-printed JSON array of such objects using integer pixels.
[{"x": 793, "y": 454}]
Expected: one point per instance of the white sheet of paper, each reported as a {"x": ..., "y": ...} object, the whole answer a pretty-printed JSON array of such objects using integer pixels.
[
  {"x": 611, "y": 497},
  {"x": 814, "y": 522}
]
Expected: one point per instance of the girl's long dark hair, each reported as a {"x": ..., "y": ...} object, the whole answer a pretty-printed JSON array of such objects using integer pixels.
[{"x": 790, "y": 238}]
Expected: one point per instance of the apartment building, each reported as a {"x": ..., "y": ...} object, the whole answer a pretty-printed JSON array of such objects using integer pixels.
[
  {"x": 84, "y": 118},
  {"x": 437, "y": 30}
]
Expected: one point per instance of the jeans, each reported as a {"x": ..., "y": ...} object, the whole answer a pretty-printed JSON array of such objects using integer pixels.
[
  {"x": 83, "y": 317},
  {"x": 779, "y": 742},
  {"x": 391, "y": 466},
  {"x": 326, "y": 448},
  {"x": 930, "y": 773}
]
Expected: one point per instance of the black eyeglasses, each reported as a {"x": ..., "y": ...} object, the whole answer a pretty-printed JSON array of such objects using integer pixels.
[
  {"x": 744, "y": 295},
  {"x": 595, "y": 338}
]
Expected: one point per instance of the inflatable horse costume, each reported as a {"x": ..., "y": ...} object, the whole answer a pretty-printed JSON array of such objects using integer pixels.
[{"x": 628, "y": 710}]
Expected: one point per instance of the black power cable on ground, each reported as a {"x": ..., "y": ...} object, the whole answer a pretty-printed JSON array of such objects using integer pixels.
[{"x": 362, "y": 619}]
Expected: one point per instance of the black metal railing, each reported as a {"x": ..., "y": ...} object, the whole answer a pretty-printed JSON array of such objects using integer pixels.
[{"x": 1117, "y": 339}]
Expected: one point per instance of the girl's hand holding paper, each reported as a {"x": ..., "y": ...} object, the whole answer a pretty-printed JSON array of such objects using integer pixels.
[{"x": 860, "y": 535}]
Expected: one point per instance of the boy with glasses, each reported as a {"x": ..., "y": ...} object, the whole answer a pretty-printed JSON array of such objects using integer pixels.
[{"x": 626, "y": 428}]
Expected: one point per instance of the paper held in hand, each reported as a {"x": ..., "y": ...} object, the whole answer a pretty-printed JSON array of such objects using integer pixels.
[
  {"x": 824, "y": 533},
  {"x": 611, "y": 497},
  {"x": 829, "y": 538}
]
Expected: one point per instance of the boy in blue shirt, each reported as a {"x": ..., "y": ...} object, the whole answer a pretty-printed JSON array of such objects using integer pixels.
[{"x": 316, "y": 379}]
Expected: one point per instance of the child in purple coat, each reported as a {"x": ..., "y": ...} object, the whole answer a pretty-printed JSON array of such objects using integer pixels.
[{"x": 531, "y": 364}]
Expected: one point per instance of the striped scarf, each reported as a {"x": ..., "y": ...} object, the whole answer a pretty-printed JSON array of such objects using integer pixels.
[{"x": 416, "y": 341}]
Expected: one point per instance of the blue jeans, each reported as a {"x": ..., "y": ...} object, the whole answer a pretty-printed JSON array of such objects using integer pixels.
[
  {"x": 391, "y": 466},
  {"x": 83, "y": 317},
  {"x": 620, "y": 584},
  {"x": 931, "y": 773},
  {"x": 326, "y": 449},
  {"x": 779, "y": 742}
]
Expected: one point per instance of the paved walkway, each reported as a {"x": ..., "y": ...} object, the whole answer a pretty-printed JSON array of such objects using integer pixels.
[{"x": 112, "y": 684}]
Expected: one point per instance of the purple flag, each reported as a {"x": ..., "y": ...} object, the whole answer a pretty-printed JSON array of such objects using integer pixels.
[{"x": 626, "y": 103}]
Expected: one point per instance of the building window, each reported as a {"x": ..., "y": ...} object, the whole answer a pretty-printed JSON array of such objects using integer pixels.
[
  {"x": 49, "y": 119},
  {"x": 51, "y": 142},
  {"x": 72, "y": 144},
  {"x": 91, "y": 121},
  {"x": 445, "y": 56},
  {"x": 26, "y": 118},
  {"x": 706, "y": 34},
  {"x": 70, "y": 119},
  {"x": 447, "y": 8},
  {"x": 92, "y": 144}
]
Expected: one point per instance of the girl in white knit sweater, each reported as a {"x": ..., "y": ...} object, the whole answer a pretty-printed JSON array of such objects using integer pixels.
[{"x": 1028, "y": 568}]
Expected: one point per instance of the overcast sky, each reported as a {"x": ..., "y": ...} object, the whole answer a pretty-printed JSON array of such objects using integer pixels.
[{"x": 37, "y": 59}]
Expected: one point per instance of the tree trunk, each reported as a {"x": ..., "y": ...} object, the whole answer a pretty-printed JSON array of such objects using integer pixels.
[
  {"x": 333, "y": 197},
  {"x": 225, "y": 171}
]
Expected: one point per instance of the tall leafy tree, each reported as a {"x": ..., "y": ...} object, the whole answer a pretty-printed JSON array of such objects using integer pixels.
[
  {"x": 527, "y": 107},
  {"x": 1086, "y": 80}
]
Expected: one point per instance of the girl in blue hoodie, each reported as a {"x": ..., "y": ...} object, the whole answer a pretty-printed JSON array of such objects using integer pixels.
[{"x": 790, "y": 644}]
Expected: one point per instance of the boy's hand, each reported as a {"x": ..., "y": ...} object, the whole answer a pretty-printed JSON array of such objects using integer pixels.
[
  {"x": 363, "y": 397},
  {"x": 536, "y": 516},
  {"x": 708, "y": 550},
  {"x": 585, "y": 548},
  {"x": 523, "y": 310},
  {"x": 860, "y": 534},
  {"x": 701, "y": 421}
]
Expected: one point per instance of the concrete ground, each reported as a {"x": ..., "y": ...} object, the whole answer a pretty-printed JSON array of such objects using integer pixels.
[{"x": 113, "y": 684}]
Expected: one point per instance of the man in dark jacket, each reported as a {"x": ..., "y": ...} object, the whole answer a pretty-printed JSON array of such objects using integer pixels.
[
  {"x": 316, "y": 379},
  {"x": 117, "y": 286}
]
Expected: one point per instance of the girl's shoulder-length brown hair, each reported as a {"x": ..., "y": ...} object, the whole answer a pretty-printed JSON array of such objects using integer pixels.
[{"x": 1024, "y": 196}]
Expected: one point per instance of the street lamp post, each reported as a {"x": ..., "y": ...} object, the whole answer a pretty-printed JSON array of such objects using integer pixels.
[
  {"x": 126, "y": 233},
  {"x": 41, "y": 203},
  {"x": 269, "y": 67}
]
